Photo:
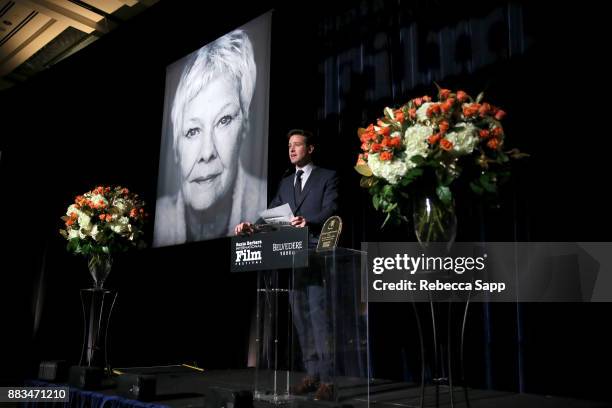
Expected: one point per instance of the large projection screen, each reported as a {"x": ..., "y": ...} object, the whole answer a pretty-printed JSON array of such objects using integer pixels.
[{"x": 214, "y": 145}]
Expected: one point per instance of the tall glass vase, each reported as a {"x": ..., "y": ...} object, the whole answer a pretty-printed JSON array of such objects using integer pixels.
[
  {"x": 99, "y": 268},
  {"x": 434, "y": 221},
  {"x": 97, "y": 304},
  {"x": 97, "y": 308}
]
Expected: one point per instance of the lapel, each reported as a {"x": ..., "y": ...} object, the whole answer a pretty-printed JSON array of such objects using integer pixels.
[{"x": 309, "y": 183}]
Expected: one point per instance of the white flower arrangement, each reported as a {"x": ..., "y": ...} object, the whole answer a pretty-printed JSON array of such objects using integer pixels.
[{"x": 104, "y": 220}]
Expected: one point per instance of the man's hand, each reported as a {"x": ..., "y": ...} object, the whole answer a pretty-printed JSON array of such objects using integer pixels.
[
  {"x": 244, "y": 228},
  {"x": 298, "y": 221}
]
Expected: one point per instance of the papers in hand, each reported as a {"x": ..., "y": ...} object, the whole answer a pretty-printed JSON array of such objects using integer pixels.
[{"x": 280, "y": 215}]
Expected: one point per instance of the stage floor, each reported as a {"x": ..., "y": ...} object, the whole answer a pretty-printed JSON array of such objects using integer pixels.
[{"x": 354, "y": 393}]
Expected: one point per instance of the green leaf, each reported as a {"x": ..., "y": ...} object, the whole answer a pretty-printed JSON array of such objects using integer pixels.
[
  {"x": 480, "y": 97},
  {"x": 360, "y": 131},
  {"x": 502, "y": 157},
  {"x": 391, "y": 207},
  {"x": 367, "y": 182},
  {"x": 476, "y": 188},
  {"x": 411, "y": 176},
  {"x": 389, "y": 114},
  {"x": 387, "y": 218},
  {"x": 445, "y": 195},
  {"x": 376, "y": 201},
  {"x": 418, "y": 160},
  {"x": 364, "y": 170},
  {"x": 487, "y": 183},
  {"x": 388, "y": 192}
]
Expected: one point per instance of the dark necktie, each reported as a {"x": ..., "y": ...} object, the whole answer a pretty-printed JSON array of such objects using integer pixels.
[{"x": 298, "y": 184}]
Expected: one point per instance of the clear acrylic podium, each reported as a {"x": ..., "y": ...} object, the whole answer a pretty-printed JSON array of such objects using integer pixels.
[{"x": 312, "y": 323}]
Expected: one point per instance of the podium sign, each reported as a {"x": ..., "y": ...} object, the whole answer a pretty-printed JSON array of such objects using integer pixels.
[
  {"x": 330, "y": 233},
  {"x": 269, "y": 250}
]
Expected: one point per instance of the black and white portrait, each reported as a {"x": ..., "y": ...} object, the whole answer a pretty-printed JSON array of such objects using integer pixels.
[{"x": 213, "y": 161}]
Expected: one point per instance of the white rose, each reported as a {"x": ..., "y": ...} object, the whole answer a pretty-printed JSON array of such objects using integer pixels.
[
  {"x": 97, "y": 198},
  {"x": 124, "y": 220},
  {"x": 116, "y": 227},
  {"x": 391, "y": 171},
  {"x": 415, "y": 140},
  {"x": 72, "y": 233},
  {"x": 121, "y": 205},
  {"x": 84, "y": 220},
  {"x": 464, "y": 139},
  {"x": 94, "y": 232},
  {"x": 71, "y": 209}
]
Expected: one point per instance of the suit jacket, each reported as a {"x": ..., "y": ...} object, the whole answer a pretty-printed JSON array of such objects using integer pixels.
[{"x": 318, "y": 201}]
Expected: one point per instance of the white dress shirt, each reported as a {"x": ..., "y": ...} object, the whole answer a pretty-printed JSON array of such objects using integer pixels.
[{"x": 307, "y": 169}]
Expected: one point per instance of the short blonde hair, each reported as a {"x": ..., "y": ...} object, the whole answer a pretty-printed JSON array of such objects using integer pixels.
[{"x": 231, "y": 55}]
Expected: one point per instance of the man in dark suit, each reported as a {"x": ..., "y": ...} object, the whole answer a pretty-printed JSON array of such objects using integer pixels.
[
  {"x": 312, "y": 194},
  {"x": 310, "y": 191}
]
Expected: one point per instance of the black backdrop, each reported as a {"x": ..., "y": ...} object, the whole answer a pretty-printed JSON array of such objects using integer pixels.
[{"x": 95, "y": 118}]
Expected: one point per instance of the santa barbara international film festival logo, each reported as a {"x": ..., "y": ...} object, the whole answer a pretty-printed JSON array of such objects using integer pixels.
[{"x": 248, "y": 253}]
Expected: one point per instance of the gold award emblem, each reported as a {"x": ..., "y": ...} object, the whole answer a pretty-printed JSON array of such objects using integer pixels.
[{"x": 330, "y": 233}]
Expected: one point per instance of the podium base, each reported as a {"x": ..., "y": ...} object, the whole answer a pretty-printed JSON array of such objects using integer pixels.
[{"x": 89, "y": 378}]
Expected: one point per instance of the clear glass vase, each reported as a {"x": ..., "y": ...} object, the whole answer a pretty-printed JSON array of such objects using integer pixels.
[
  {"x": 99, "y": 268},
  {"x": 97, "y": 307},
  {"x": 434, "y": 221}
]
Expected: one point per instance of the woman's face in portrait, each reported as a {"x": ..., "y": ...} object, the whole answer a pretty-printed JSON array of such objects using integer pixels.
[{"x": 209, "y": 145}]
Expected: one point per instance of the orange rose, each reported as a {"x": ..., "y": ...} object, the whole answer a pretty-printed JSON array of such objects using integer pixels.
[
  {"x": 445, "y": 107},
  {"x": 399, "y": 115},
  {"x": 493, "y": 143},
  {"x": 386, "y": 141},
  {"x": 497, "y": 132},
  {"x": 484, "y": 133},
  {"x": 386, "y": 156},
  {"x": 376, "y": 147},
  {"x": 133, "y": 213},
  {"x": 385, "y": 131},
  {"x": 443, "y": 125},
  {"x": 433, "y": 139},
  {"x": 365, "y": 146},
  {"x": 433, "y": 109},
  {"x": 367, "y": 135},
  {"x": 360, "y": 160},
  {"x": 412, "y": 113},
  {"x": 471, "y": 110},
  {"x": 462, "y": 96},
  {"x": 500, "y": 114},
  {"x": 444, "y": 93},
  {"x": 418, "y": 101},
  {"x": 102, "y": 217},
  {"x": 395, "y": 142},
  {"x": 69, "y": 223},
  {"x": 446, "y": 144},
  {"x": 484, "y": 109}
]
